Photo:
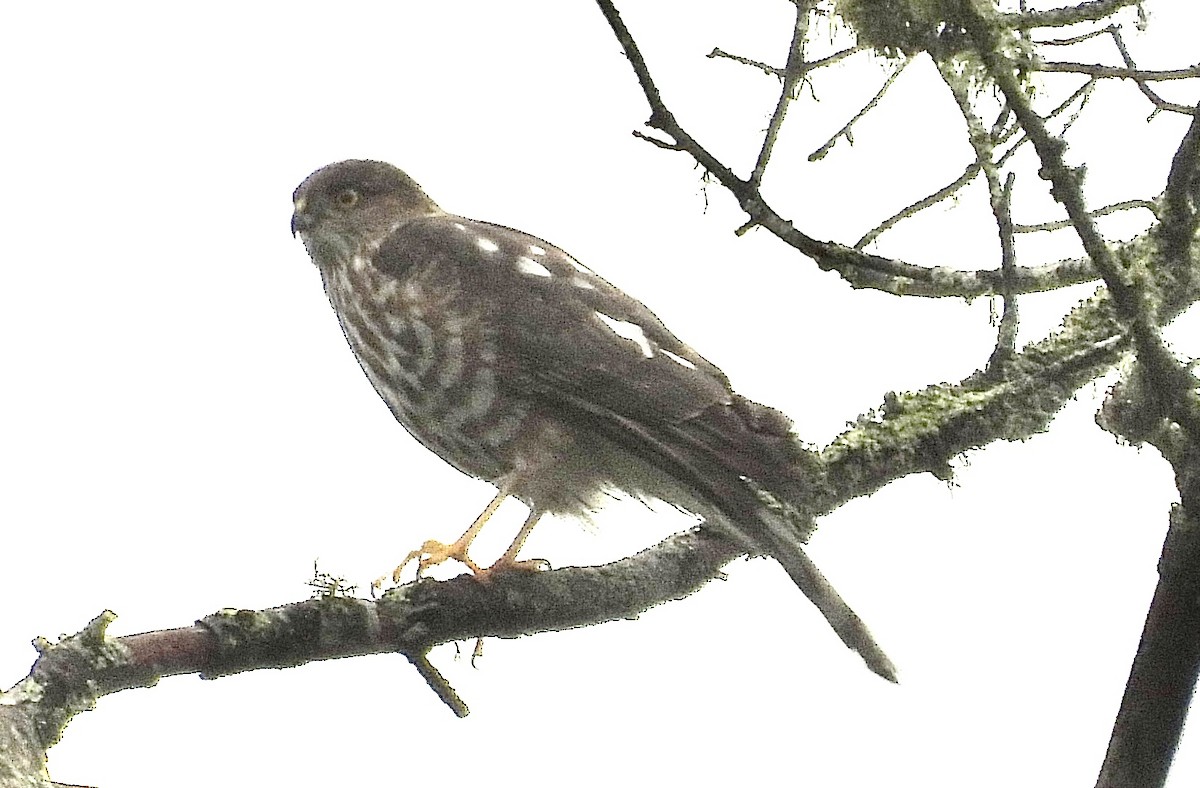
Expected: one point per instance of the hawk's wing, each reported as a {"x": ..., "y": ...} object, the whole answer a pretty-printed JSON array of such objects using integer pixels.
[
  {"x": 562, "y": 330},
  {"x": 571, "y": 342}
]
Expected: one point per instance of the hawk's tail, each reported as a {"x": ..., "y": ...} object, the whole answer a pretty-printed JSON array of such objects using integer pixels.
[
  {"x": 752, "y": 479},
  {"x": 761, "y": 479},
  {"x": 776, "y": 537}
]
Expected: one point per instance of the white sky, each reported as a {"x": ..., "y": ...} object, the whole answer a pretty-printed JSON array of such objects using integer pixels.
[{"x": 184, "y": 428}]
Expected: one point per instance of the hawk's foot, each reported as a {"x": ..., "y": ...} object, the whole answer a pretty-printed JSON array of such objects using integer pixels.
[
  {"x": 510, "y": 564},
  {"x": 433, "y": 552}
]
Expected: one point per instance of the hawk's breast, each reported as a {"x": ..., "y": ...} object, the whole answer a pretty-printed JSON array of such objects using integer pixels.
[{"x": 431, "y": 355}]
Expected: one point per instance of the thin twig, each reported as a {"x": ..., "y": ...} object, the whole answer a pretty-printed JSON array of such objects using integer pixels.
[
  {"x": 929, "y": 201},
  {"x": 793, "y": 74},
  {"x": 1060, "y": 17},
  {"x": 767, "y": 68},
  {"x": 1065, "y": 180},
  {"x": 1072, "y": 40},
  {"x": 1158, "y": 101},
  {"x": 1002, "y": 135},
  {"x": 844, "y": 131},
  {"x": 1000, "y": 199},
  {"x": 437, "y": 682},
  {"x": 1116, "y": 72},
  {"x": 1124, "y": 205},
  {"x": 1006, "y": 336}
]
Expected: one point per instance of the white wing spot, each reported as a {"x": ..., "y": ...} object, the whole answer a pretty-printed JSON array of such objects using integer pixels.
[
  {"x": 487, "y": 244},
  {"x": 386, "y": 291},
  {"x": 460, "y": 226},
  {"x": 580, "y": 282},
  {"x": 578, "y": 266},
  {"x": 679, "y": 359},
  {"x": 533, "y": 249},
  {"x": 628, "y": 331},
  {"x": 358, "y": 262},
  {"x": 532, "y": 267}
]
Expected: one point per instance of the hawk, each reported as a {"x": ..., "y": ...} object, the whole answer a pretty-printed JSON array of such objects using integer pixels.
[{"x": 517, "y": 364}]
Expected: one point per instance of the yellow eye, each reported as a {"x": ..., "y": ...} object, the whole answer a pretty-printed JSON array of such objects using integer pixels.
[{"x": 347, "y": 198}]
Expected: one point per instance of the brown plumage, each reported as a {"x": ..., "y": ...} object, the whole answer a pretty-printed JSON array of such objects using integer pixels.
[{"x": 516, "y": 364}]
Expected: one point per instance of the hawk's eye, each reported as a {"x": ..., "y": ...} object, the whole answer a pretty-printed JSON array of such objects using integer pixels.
[{"x": 347, "y": 198}]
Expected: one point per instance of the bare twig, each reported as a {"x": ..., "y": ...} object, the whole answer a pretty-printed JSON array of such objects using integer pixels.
[
  {"x": 1116, "y": 207},
  {"x": 1116, "y": 72},
  {"x": 1001, "y": 135},
  {"x": 829, "y": 60},
  {"x": 1065, "y": 180},
  {"x": 1072, "y": 40},
  {"x": 1059, "y": 17},
  {"x": 844, "y": 131},
  {"x": 1006, "y": 336},
  {"x": 1000, "y": 198},
  {"x": 967, "y": 176},
  {"x": 793, "y": 74},
  {"x": 1158, "y": 101},
  {"x": 437, "y": 682},
  {"x": 719, "y": 54},
  {"x": 767, "y": 68}
]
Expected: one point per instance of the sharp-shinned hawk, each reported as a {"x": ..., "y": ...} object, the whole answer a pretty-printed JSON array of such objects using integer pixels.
[{"x": 517, "y": 364}]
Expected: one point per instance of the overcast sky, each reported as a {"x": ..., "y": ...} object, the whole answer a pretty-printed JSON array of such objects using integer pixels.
[{"x": 185, "y": 430}]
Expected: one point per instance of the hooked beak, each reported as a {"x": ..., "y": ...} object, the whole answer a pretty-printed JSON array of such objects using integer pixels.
[{"x": 301, "y": 220}]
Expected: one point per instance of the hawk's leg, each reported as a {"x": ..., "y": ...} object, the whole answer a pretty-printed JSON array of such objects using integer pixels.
[
  {"x": 509, "y": 559},
  {"x": 433, "y": 552}
]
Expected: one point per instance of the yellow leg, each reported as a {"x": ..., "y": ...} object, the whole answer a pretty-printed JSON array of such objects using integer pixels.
[
  {"x": 433, "y": 552},
  {"x": 509, "y": 559}
]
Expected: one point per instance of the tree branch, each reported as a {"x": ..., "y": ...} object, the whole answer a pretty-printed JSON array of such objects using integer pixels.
[
  {"x": 1059, "y": 17},
  {"x": 70, "y": 676},
  {"x": 1163, "y": 677},
  {"x": 1116, "y": 72},
  {"x": 859, "y": 269},
  {"x": 1127, "y": 285}
]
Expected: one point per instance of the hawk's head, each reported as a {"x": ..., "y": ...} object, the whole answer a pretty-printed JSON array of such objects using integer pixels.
[{"x": 344, "y": 207}]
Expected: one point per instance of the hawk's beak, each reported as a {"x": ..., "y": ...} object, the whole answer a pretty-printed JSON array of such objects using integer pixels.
[{"x": 301, "y": 221}]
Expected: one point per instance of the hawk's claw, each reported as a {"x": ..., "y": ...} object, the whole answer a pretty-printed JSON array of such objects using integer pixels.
[
  {"x": 432, "y": 553},
  {"x": 507, "y": 564}
]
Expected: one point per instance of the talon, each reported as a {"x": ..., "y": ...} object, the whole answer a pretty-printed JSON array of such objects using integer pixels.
[
  {"x": 507, "y": 564},
  {"x": 524, "y": 565},
  {"x": 400, "y": 568},
  {"x": 377, "y": 585},
  {"x": 432, "y": 553}
]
